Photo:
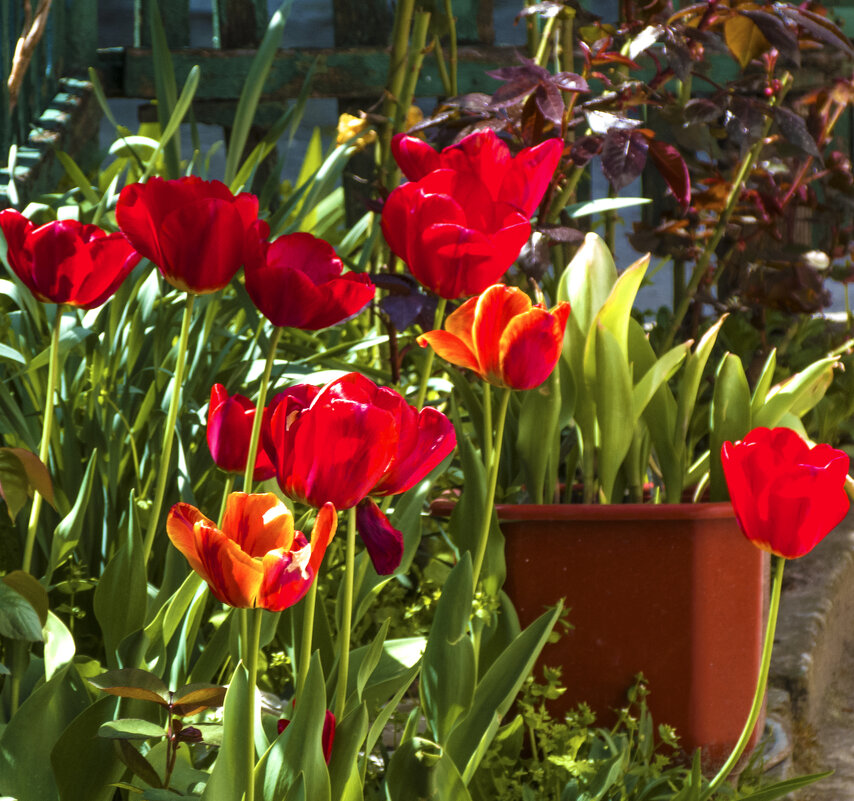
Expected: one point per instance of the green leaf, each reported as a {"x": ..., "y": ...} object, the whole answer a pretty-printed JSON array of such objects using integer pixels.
[
  {"x": 130, "y": 729},
  {"x": 59, "y": 646},
  {"x": 18, "y": 619},
  {"x": 607, "y": 373},
  {"x": 77, "y": 176},
  {"x": 730, "y": 418},
  {"x": 371, "y": 659},
  {"x": 121, "y": 597},
  {"x": 298, "y": 749},
  {"x": 783, "y": 788},
  {"x": 85, "y": 765},
  {"x": 692, "y": 375},
  {"x": 576, "y": 210},
  {"x": 587, "y": 281},
  {"x": 652, "y": 379},
  {"x": 449, "y": 652},
  {"x": 230, "y": 770},
  {"x": 67, "y": 534},
  {"x": 420, "y": 770},
  {"x": 798, "y": 393},
  {"x": 251, "y": 93},
  {"x": 538, "y": 429},
  {"x": 32, "y": 733},
  {"x": 763, "y": 383},
  {"x": 617, "y": 309},
  {"x": 497, "y": 690},
  {"x": 349, "y": 740}
]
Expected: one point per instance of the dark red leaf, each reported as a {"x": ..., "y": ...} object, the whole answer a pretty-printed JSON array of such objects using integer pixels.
[
  {"x": 562, "y": 233},
  {"x": 195, "y": 698},
  {"x": 533, "y": 122},
  {"x": 795, "y": 130},
  {"x": 776, "y": 32},
  {"x": 138, "y": 764},
  {"x": 673, "y": 169},
  {"x": 584, "y": 149},
  {"x": 623, "y": 156},
  {"x": 819, "y": 28},
  {"x": 550, "y": 103},
  {"x": 701, "y": 110},
  {"x": 513, "y": 92},
  {"x": 133, "y": 683}
]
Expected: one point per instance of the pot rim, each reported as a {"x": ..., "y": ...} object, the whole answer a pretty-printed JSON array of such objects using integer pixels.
[{"x": 597, "y": 511}]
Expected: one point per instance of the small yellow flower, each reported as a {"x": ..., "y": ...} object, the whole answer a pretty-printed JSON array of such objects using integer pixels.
[{"x": 349, "y": 126}]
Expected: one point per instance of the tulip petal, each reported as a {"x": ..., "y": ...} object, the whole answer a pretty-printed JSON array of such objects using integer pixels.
[
  {"x": 287, "y": 577},
  {"x": 180, "y": 523},
  {"x": 414, "y": 156},
  {"x": 321, "y": 534},
  {"x": 383, "y": 542},
  {"x": 233, "y": 576},
  {"x": 258, "y": 523},
  {"x": 496, "y": 307},
  {"x": 529, "y": 175},
  {"x": 452, "y": 349},
  {"x": 461, "y": 322}
]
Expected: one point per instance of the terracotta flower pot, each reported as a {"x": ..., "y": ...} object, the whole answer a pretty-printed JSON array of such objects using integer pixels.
[{"x": 672, "y": 590}]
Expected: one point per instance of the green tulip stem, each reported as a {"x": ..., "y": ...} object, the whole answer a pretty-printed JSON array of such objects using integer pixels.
[
  {"x": 545, "y": 37},
  {"x": 492, "y": 481},
  {"x": 229, "y": 486},
  {"x": 44, "y": 446},
  {"x": 452, "y": 39},
  {"x": 347, "y": 617},
  {"x": 259, "y": 411},
  {"x": 307, "y": 632},
  {"x": 169, "y": 430},
  {"x": 252, "y": 646},
  {"x": 487, "y": 424},
  {"x": 428, "y": 362},
  {"x": 761, "y": 683}
]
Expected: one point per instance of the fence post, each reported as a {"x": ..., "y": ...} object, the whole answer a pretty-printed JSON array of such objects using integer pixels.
[{"x": 81, "y": 36}]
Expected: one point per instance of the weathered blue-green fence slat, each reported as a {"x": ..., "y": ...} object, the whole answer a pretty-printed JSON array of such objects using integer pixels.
[
  {"x": 350, "y": 72},
  {"x": 81, "y": 39},
  {"x": 238, "y": 23},
  {"x": 176, "y": 22}
]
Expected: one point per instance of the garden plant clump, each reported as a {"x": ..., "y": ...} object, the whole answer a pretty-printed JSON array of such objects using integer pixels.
[{"x": 225, "y": 413}]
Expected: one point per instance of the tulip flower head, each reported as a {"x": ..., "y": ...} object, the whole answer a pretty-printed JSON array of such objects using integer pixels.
[
  {"x": 296, "y": 281},
  {"x": 197, "y": 232},
  {"x": 787, "y": 496},
  {"x": 256, "y": 559},
  {"x": 502, "y": 337},
  {"x": 464, "y": 216},
  {"x": 350, "y": 440},
  {"x": 229, "y": 427},
  {"x": 65, "y": 261}
]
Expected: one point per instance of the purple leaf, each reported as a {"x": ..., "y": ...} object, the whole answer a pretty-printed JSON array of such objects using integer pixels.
[
  {"x": 550, "y": 103},
  {"x": 820, "y": 28},
  {"x": 623, "y": 156},
  {"x": 776, "y": 32},
  {"x": 673, "y": 169},
  {"x": 795, "y": 130},
  {"x": 570, "y": 82}
]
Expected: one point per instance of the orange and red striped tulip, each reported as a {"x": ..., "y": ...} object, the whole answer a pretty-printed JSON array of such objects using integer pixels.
[
  {"x": 503, "y": 337},
  {"x": 257, "y": 559}
]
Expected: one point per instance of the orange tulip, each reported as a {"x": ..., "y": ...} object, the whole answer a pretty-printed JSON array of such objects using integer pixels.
[
  {"x": 257, "y": 559},
  {"x": 503, "y": 337}
]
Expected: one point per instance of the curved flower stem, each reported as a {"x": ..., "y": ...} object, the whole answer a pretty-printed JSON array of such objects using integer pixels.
[
  {"x": 761, "y": 683},
  {"x": 229, "y": 486},
  {"x": 307, "y": 632},
  {"x": 452, "y": 38},
  {"x": 169, "y": 430},
  {"x": 259, "y": 412},
  {"x": 44, "y": 446},
  {"x": 252, "y": 646},
  {"x": 347, "y": 617},
  {"x": 487, "y": 425},
  {"x": 428, "y": 363},
  {"x": 492, "y": 481}
]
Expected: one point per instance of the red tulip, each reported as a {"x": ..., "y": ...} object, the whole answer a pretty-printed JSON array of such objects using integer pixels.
[
  {"x": 229, "y": 428},
  {"x": 502, "y": 337},
  {"x": 195, "y": 231},
  {"x": 326, "y": 738},
  {"x": 350, "y": 440},
  {"x": 787, "y": 496},
  {"x": 464, "y": 217},
  {"x": 66, "y": 261},
  {"x": 296, "y": 281},
  {"x": 520, "y": 181},
  {"x": 257, "y": 559}
]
